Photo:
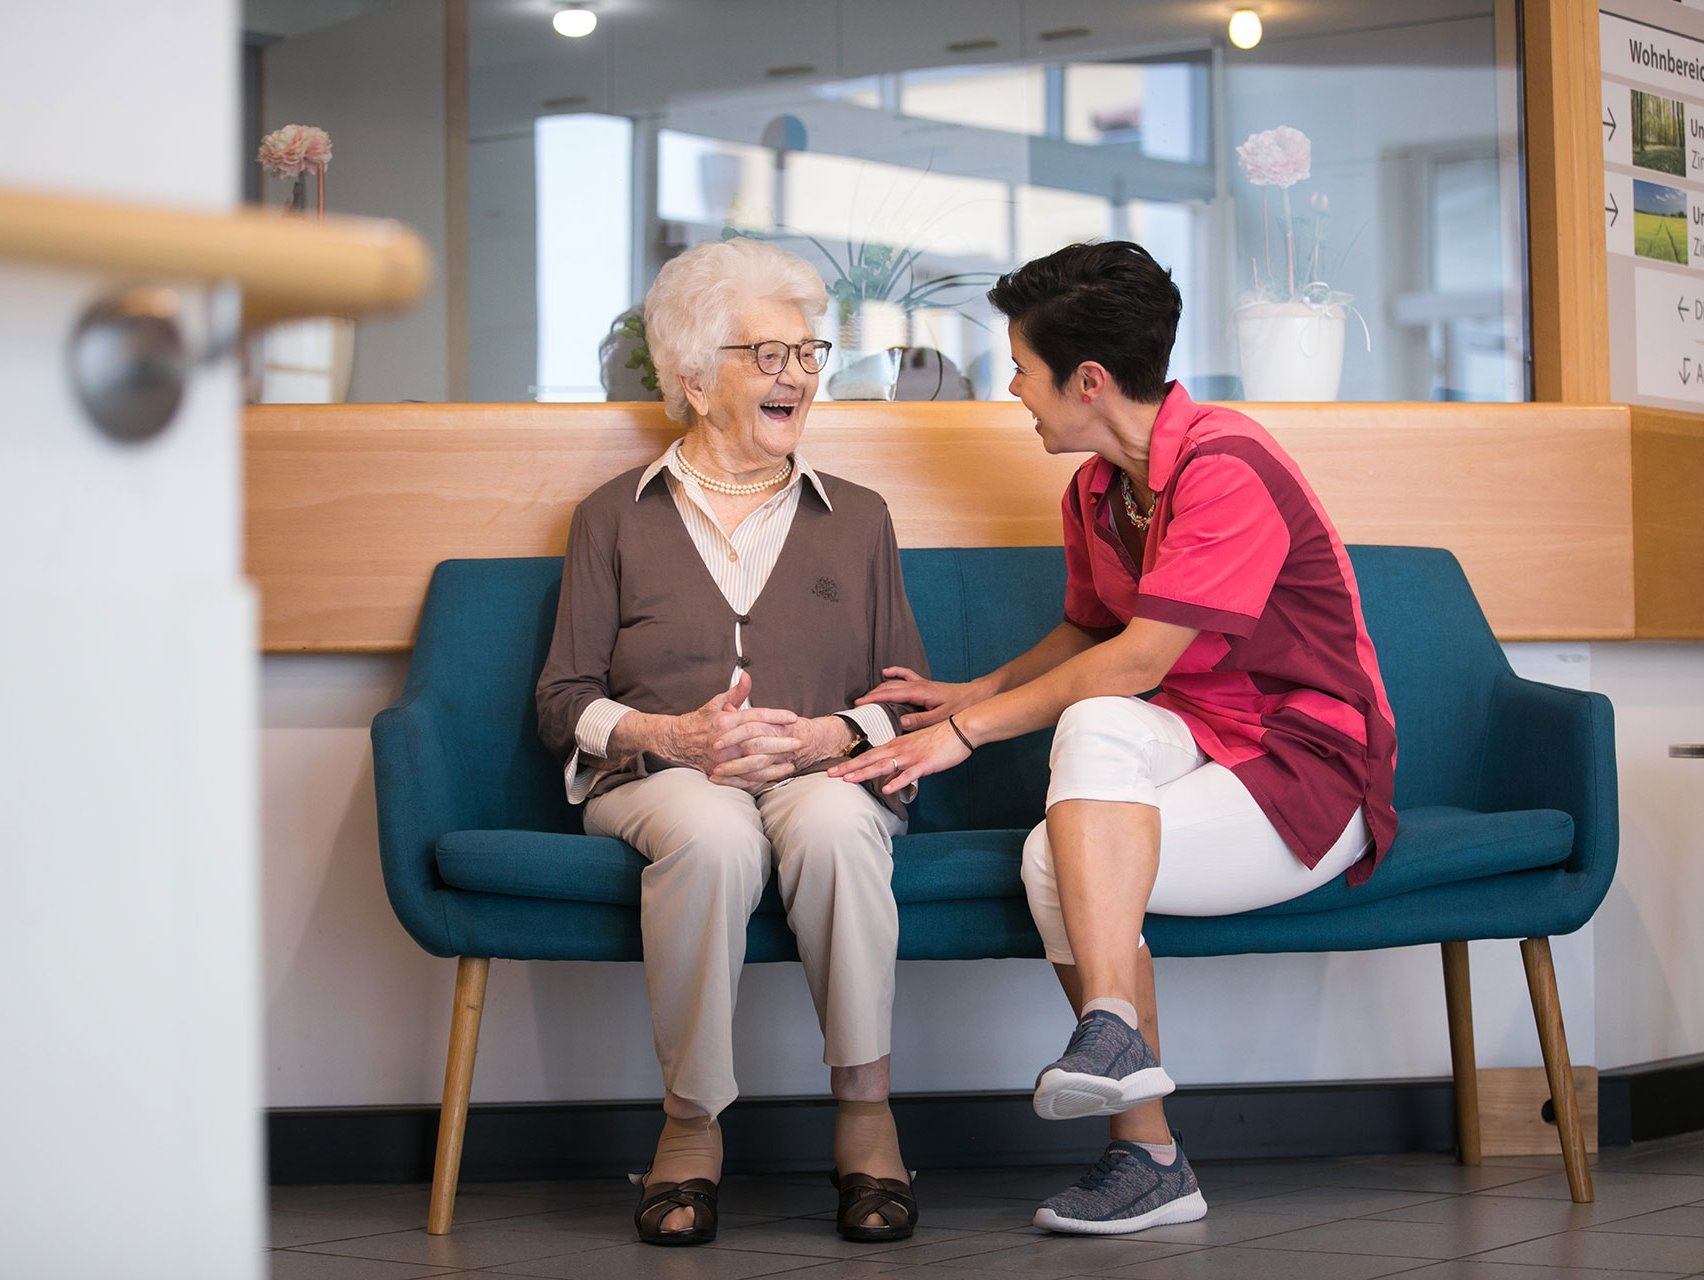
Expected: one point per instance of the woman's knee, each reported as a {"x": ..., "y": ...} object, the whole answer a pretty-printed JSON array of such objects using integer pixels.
[
  {"x": 1037, "y": 865},
  {"x": 716, "y": 843}
]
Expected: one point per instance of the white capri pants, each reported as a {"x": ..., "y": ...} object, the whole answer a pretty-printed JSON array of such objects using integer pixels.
[{"x": 1219, "y": 854}]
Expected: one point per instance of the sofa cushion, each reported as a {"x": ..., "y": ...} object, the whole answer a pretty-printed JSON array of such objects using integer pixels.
[
  {"x": 1435, "y": 845},
  {"x": 1439, "y": 844},
  {"x": 941, "y": 866}
]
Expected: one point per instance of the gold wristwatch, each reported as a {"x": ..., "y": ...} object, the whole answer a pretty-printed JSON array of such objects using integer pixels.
[{"x": 860, "y": 739}]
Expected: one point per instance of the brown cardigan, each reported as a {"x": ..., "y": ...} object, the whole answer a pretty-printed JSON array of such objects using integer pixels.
[{"x": 641, "y": 620}]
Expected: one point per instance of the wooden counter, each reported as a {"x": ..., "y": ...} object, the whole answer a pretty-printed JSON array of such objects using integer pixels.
[{"x": 350, "y": 506}]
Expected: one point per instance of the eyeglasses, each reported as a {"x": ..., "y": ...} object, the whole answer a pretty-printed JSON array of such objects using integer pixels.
[{"x": 772, "y": 354}]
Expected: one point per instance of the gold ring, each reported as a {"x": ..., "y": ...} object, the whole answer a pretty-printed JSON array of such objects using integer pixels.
[{"x": 893, "y": 764}]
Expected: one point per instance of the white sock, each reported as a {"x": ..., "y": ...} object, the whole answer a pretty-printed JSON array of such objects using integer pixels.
[
  {"x": 1121, "y": 1009},
  {"x": 1163, "y": 1155}
]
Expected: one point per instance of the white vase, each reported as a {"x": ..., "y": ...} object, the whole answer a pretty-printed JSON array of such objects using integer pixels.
[
  {"x": 1291, "y": 350},
  {"x": 867, "y": 353},
  {"x": 307, "y": 361}
]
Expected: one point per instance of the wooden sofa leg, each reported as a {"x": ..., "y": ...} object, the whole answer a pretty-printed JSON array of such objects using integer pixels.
[
  {"x": 1547, "y": 1013},
  {"x": 471, "y": 972},
  {"x": 1458, "y": 999}
]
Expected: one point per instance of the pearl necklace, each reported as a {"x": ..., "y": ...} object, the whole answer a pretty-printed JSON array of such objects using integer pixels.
[
  {"x": 1130, "y": 509},
  {"x": 728, "y": 487}
]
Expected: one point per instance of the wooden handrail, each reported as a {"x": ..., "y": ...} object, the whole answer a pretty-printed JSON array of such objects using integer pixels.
[{"x": 287, "y": 268}]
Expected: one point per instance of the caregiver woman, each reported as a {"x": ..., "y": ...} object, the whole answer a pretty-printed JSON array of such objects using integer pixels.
[{"x": 1198, "y": 561}]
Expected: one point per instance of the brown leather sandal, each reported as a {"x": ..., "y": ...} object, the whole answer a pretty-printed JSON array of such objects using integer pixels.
[
  {"x": 862, "y": 1195},
  {"x": 656, "y": 1202}
]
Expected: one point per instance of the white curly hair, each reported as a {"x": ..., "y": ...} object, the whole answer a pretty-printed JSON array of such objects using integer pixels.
[{"x": 694, "y": 307}]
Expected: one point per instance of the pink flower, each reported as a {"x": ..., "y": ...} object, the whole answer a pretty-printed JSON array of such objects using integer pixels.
[
  {"x": 1318, "y": 203},
  {"x": 285, "y": 152},
  {"x": 1276, "y": 158}
]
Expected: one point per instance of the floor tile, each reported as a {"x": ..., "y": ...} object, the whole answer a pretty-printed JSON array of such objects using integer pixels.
[
  {"x": 1239, "y": 1263},
  {"x": 1678, "y": 1254},
  {"x": 285, "y": 1264},
  {"x": 1055, "y": 1255},
  {"x": 1498, "y": 1213},
  {"x": 1390, "y": 1239},
  {"x": 1615, "y": 1195},
  {"x": 1329, "y": 1203},
  {"x": 1467, "y": 1269},
  {"x": 648, "y": 1262},
  {"x": 468, "y": 1247},
  {"x": 1686, "y": 1220},
  {"x": 1224, "y": 1226},
  {"x": 815, "y": 1237}
]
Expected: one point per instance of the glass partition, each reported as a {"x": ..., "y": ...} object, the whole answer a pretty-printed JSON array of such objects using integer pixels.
[{"x": 1339, "y": 205}]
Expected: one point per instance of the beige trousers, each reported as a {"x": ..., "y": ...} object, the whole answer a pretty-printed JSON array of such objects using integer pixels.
[{"x": 710, "y": 849}]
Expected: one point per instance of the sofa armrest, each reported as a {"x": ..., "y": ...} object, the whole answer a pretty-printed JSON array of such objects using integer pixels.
[
  {"x": 421, "y": 794},
  {"x": 1554, "y": 748}
]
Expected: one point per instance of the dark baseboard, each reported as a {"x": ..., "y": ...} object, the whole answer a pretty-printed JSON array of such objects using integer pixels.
[
  {"x": 1658, "y": 1100},
  {"x": 526, "y": 1142},
  {"x": 941, "y": 1131}
]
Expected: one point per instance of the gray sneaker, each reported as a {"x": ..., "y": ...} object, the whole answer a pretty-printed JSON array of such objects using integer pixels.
[
  {"x": 1107, "y": 1068},
  {"x": 1126, "y": 1191}
]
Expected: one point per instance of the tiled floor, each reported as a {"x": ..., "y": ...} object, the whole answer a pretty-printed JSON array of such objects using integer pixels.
[{"x": 1421, "y": 1217}]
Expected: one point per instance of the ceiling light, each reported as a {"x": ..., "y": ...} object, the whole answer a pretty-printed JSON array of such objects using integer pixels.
[
  {"x": 575, "y": 21},
  {"x": 1245, "y": 28}
]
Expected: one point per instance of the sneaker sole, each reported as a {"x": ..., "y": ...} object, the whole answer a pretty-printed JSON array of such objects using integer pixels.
[
  {"x": 1184, "y": 1209},
  {"x": 1071, "y": 1095}
]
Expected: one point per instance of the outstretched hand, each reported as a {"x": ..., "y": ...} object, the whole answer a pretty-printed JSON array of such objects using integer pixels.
[
  {"x": 937, "y": 698},
  {"x": 906, "y": 759}
]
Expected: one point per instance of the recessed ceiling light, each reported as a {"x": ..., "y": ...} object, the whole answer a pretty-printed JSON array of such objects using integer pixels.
[
  {"x": 575, "y": 21},
  {"x": 1245, "y": 29}
]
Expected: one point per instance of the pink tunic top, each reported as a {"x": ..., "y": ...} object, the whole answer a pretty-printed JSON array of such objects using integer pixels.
[{"x": 1282, "y": 685}]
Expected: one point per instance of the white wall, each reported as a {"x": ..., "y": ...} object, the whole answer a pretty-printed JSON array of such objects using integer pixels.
[
  {"x": 1650, "y": 950},
  {"x": 376, "y": 85},
  {"x": 357, "y": 1014},
  {"x": 127, "y": 724}
]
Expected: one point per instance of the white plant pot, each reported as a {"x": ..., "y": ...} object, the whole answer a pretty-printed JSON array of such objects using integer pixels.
[
  {"x": 867, "y": 353},
  {"x": 307, "y": 361},
  {"x": 1291, "y": 350}
]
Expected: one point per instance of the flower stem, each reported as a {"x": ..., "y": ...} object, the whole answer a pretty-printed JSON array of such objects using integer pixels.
[
  {"x": 1290, "y": 241},
  {"x": 1266, "y": 230}
]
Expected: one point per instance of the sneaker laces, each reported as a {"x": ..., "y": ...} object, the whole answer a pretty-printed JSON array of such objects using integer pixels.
[
  {"x": 1090, "y": 1031},
  {"x": 1104, "y": 1168}
]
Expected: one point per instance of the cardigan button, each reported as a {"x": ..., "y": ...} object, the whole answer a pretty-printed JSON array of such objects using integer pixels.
[
  {"x": 744, "y": 619},
  {"x": 742, "y": 661}
]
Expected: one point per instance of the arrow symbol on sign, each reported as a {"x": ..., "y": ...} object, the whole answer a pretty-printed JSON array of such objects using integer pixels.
[
  {"x": 1680, "y": 308},
  {"x": 1609, "y": 122},
  {"x": 1685, "y": 370},
  {"x": 1612, "y": 209}
]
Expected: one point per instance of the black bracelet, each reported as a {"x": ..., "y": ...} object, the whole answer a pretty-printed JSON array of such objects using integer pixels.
[{"x": 953, "y": 725}]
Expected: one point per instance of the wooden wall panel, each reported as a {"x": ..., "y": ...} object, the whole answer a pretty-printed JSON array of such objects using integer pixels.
[
  {"x": 1668, "y": 524},
  {"x": 349, "y": 507}
]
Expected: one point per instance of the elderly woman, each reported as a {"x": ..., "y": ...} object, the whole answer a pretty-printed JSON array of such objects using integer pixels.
[
  {"x": 1198, "y": 561},
  {"x": 722, "y": 608}
]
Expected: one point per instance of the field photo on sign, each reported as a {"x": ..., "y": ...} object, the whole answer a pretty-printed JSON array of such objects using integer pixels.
[
  {"x": 1659, "y": 222},
  {"x": 1659, "y": 133}
]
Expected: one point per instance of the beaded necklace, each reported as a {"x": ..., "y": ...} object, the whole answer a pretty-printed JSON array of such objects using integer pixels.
[{"x": 727, "y": 486}]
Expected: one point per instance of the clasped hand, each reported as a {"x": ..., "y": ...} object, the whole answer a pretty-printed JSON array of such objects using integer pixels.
[{"x": 748, "y": 747}]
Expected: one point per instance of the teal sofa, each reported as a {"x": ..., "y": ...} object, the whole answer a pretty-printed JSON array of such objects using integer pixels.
[{"x": 1506, "y": 791}]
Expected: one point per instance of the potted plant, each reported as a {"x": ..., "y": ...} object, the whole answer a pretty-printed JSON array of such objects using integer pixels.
[
  {"x": 303, "y": 361},
  {"x": 1290, "y": 327}
]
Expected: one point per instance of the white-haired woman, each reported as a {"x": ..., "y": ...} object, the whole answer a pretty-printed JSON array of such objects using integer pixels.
[{"x": 722, "y": 609}]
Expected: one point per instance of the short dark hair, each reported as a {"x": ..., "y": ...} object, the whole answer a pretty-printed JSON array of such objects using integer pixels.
[{"x": 1108, "y": 302}]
